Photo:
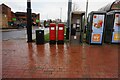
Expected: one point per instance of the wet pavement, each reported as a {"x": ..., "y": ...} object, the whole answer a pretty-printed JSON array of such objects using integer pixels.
[
  {"x": 23, "y": 60},
  {"x": 14, "y": 34},
  {"x": 19, "y": 33}
]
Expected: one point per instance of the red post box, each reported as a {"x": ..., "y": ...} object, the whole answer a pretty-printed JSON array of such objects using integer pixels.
[
  {"x": 52, "y": 36},
  {"x": 60, "y": 33}
]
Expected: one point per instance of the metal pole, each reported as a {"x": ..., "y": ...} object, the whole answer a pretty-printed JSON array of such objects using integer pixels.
[
  {"x": 61, "y": 14},
  {"x": 86, "y": 12},
  {"x": 68, "y": 20},
  {"x": 29, "y": 22}
]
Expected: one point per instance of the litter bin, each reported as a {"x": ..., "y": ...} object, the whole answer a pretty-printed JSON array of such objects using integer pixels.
[
  {"x": 95, "y": 27},
  {"x": 112, "y": 30},
  {"x": 39, "y": 36}
]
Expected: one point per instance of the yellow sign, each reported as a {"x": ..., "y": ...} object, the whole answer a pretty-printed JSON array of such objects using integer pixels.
[
  {"x": 117, "y": 37},
  {"x": 96, "y": 37}
]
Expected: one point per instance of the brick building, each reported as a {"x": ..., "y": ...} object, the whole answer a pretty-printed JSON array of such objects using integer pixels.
[
  {"x": 5, "y": 17},
  {"x": 10, "y": 19},
  {"x": 21, "y": 18}
]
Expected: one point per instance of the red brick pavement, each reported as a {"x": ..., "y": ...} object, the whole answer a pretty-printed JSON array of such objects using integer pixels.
[{"x": 23, "y": 60}]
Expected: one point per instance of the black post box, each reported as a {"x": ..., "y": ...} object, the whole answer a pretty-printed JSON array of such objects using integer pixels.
[{"x": 39, "y": 36}]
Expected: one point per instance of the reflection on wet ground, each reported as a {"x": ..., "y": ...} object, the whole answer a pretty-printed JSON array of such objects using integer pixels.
[{"x": 23, "y": 60}]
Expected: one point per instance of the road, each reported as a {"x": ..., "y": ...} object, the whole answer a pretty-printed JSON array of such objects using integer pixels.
[{"x": 19, "y": 34}]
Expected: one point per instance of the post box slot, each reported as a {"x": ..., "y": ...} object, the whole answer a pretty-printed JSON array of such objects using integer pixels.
[
  {"x": 60, "y": 28},
  {"x": 52, "y": 28}
]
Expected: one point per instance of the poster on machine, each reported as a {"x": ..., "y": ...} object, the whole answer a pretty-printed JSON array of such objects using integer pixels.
[
  {"x": 117, "y": 22},
  {"x": 116, "y": 37},
  {"x": 97, "y": 28},
  {"x": 116, "y": 33},
  {"x": 96, "y": 38},
  {"x": 98, "y": 23}
]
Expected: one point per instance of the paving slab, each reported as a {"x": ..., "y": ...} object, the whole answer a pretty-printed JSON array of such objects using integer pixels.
[{"x": 28, "y": 60}]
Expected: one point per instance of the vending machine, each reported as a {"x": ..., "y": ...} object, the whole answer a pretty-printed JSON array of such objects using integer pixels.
[
  {"x": 95, "y": 27},
  {"x": 52, "y": 36},
  {"x": 112, "y": 29},
  {"x": 77, "y": 27}
]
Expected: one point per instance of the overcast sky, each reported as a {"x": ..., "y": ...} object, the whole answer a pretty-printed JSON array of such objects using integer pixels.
[{"x": 50, "y": 9}]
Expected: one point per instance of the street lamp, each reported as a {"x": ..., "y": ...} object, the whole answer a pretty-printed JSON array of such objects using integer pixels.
[{"x": 29, "y": 22}]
